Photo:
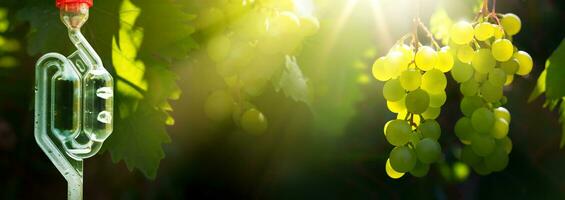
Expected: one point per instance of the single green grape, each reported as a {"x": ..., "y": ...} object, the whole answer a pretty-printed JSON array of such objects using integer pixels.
[
  {"x": 497, "y": 77},
  {"x": 511, "y": 24},
  {"x": 509, "y": 79},
  {"x": 506, "y": 143},
  {"x": 437, "y": 99},
  {"x": 431, "y": 113},
  {"x": 500, "y": 128},
  {"x": 469, "y": 88},
  {"x": 396, "y": 106},
  {"x": 393, "y": 91},
  {"x": 483, "y": 62},
  {"x": 484, "y": 31},
  {"x": 379, "y": 71},
  {"x": 395, "y": 63},
  {"x": 481, "y": 168},
  {"x": 426, "y": 58},
  {"x": 417, "y": 101},
  {"x": 490, "y": 92},
  {"x": 444, "y": 59},
  {"x": 407, "y": 52},
  {"x": 502, "y": 50},
  {"x": 510, "y": 67},
  {"x": 430, "y": 129},
  {"x": 391, "y": 172},
  {"x": 398, "y": 132},
  {"x": 469, "y": 104},
  {"x": 428, "y": 150},
  {"x": 498, "y": 32},
  {"x": 420, "y": 170},
  {"x": 219, "y": 105},
  {"x": 410, "y": 79},
  {"x": 254, "y": 122},
  {"x": 218, "y": 48},
  {"x": 402, "y": 159},
  {"x": 497, "y": 160},
  {"x": 469, "y": 156},
  {"x": 482, "y": 145},
  {"x": 434, "y": 81},
  {"x": 525, "y": 63},
  {"x": 482, "y": 120},
  {"x": 462, "y": 72},
  {"x": 465, "y": 54},
  {"x": 463, "y": 129},
  {"x": 461, "y": 32},
  {"x": 503, "y": 113}
]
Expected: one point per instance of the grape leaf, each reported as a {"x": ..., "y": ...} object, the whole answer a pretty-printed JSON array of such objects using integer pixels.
[
  {"x": 562, "y": 120},
  {"x": 555, "y": 74},
  {"x": 292, "y": 82}
]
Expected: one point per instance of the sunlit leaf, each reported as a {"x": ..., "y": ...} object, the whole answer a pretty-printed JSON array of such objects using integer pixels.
[
  {"x": 555, "y": 74},
  {"x": 292, "y": 82}
]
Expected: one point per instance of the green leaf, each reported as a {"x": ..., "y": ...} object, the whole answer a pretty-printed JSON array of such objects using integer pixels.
[
  {"x": 138, "y": 137},
  {"x": 292, "y": 82},
  {"x": 555, "y": 79},
  {"x": 562, "y": 120},
  {"x": 540, "y": 86}
]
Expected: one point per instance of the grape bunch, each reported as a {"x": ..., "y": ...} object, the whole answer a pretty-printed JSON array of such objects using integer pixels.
[
  {"x": 248, "y": 43},
  {"x": 414, "y": 89},
  {"x": 486, "y": 62}
]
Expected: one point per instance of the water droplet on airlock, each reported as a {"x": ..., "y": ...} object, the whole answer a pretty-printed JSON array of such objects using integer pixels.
[
  {"x": 104, "y": 117},
  {"x": 104, "y": 92}
]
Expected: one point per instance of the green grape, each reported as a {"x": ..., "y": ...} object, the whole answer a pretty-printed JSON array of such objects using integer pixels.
[
  {"x": 469, "y": 156},
  {"x": 431, "y": 113},
  {"x": 510, "y": 67},
  {"x": 500, "y": 128},
  {"x": 511, "y": 24},
  {"x": 469, "y": 88},
  {"x": 498, "y": 32},
  {"x": 461, "y": 32},
  {"x": 463, "y": 129},
  {"x": 482, "y": 169},
  {"x": 239, "y": 109},
  {"x": 506, "y": 143},
  {"x": 410, "y": 79},
  {"x": 482, "y": 145},
  {"x": 285, "y": 23},
  {"x": 219, "y": 105},
  {"x": 393, "y": 91},
  {"x": 480, "y": 77},
  {"x": 437, "y": 99},
  {"x": 417, "y": 101},
  {"x": 491, "y": 92},
  {"x": 391, "y": 172},
  {"x": 402, "y": 159},
  {"x": 482, "y": 120},
  {"x": 502, "y": 50},
  {"x": 484, "y": 31},
  {"x": 497, "y": 160},
  {"x": 503, "y": 113},
  {"x": 398, "y": 132},
  {"x": 309, "y": 25},
  {"x": 430, "y": 129},
  {"x": 444, "y": 59},
  {"x": 379, "y": 71},
  {"x": 406, "y": 51},
  {"x": 434, "y": 81},
  {"x": 395, "y": 63},
  {"x": 525, "y": 63},
  {"x": 462, "y": 72},
  {"x": 483, "y": 62},
  {"x": 497, "y": 77},
  {"x": 426, "y": 58},
  {"x": 428, "y": 150},
  {"x": 469, "y": 104},
  {"x": 420, "y": 170},
  {"x": 397, "y": 106},
  {"x": 465, "y": 54},
  {"x": 254, "y": 122},
  {"x": 386, "y": 126},
  {"x": 218, "y": 48},
  {"x": 509, "y": 79}
]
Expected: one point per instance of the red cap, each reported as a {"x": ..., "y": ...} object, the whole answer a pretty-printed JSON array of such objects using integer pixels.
[{"x": 60, "y": 3}]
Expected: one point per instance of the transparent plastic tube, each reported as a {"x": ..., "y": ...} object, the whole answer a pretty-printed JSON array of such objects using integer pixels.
[{"x": 73, "y": 101}]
